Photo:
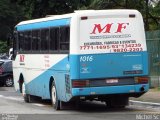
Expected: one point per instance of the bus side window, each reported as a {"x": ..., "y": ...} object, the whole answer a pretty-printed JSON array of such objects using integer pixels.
[
  {"x": 35, "y": 40},
  {"x": 27, "y": 40},
  {"x": 64, "y": 38},
  {"x": 54, "y": 38},
  {"x": 21, "y": 41},
  {"x": 45, "y": 39}
]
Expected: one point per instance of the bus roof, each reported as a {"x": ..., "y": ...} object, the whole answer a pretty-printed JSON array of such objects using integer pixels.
[
  {"x": 45, "y": 19},
  {"x": 110, "y": 13}
]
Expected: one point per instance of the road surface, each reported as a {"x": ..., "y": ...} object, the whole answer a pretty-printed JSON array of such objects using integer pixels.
[{"x": 12, "y": 107}]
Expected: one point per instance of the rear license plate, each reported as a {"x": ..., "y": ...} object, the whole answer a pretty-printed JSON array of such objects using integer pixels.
[{"x": 112, "y": 81}]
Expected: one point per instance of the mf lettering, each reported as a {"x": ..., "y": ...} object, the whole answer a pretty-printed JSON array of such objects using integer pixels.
[{"x": 107, "y": 28}]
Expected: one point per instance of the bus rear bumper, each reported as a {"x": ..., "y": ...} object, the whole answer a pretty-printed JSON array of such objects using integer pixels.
[{"x": 107, "y": 90}]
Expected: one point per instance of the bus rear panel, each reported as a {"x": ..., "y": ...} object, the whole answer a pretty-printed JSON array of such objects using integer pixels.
[{"x": 111, "y": 58}]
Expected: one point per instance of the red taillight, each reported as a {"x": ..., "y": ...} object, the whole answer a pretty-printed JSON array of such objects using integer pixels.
[
  {"x": 80, "y": 83},
  {"x": 141, "y": 79}
]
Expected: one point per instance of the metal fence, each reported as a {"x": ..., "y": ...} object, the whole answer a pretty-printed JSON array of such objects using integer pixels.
[{"x": 153, "y": 46}]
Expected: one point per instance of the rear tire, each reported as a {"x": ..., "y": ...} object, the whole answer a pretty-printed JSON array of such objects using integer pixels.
[{"x": 54, "y": 97}]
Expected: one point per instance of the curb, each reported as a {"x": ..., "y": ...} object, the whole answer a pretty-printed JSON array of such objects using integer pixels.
[{"x": 140, "y": 103}]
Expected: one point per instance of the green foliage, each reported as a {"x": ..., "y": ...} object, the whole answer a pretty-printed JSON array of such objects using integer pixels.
[
  {"x": 41, "y": 8},
  {"x": 3, "y": 47},
  {"x": 150, "y": 9},
  {"x": 14, "y": 11},
  {"x": 10, "y": 14},
  {"x": 155, "y": 15}
]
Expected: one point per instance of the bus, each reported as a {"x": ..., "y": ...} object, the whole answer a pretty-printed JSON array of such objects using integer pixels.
[{"x": 86, "y": 55}]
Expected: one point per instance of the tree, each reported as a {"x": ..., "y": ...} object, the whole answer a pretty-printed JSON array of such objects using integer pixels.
[
  {"x": 41, "y": 8},
  {"x": 154, "y": 15},
  {"x": 13, "y": 11},
  {"x": 3, "y": 47},
  {"x": 150, "y": 9},
  {"x": 10, "y": 14}
]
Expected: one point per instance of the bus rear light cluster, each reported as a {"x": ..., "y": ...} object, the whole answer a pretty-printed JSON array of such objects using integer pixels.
[
  {"x": 80, "y": 83},
  {"x": 141, "y": 79}
]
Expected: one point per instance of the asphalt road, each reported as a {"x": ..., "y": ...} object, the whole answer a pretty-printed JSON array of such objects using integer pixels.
[{"x": 12, "y": 107}]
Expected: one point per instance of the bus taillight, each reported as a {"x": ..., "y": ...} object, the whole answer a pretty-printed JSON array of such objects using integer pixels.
[
  {"x": 141, "y": 80},
  {"x": 80, "y": 83}
]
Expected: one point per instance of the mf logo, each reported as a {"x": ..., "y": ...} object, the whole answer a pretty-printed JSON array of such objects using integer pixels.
[
  {"x": 21, "y": 58},
  {"x": 98, "y": 28}
]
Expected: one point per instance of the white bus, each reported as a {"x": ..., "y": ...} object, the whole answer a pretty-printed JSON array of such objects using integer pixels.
[{"x": 90, "y": 55}]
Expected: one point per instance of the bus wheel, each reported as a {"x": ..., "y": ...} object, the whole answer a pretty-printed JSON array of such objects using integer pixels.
[
  {"x": 54, "y": 97},
  {"x": 25, "y": 96}
]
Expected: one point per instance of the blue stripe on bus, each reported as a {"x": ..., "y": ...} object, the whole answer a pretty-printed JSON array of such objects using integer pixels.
[
  {"x": 40, "y": 85},
  {"x": 44, "y": 24},
  {"x": 99, "y": 68}
]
